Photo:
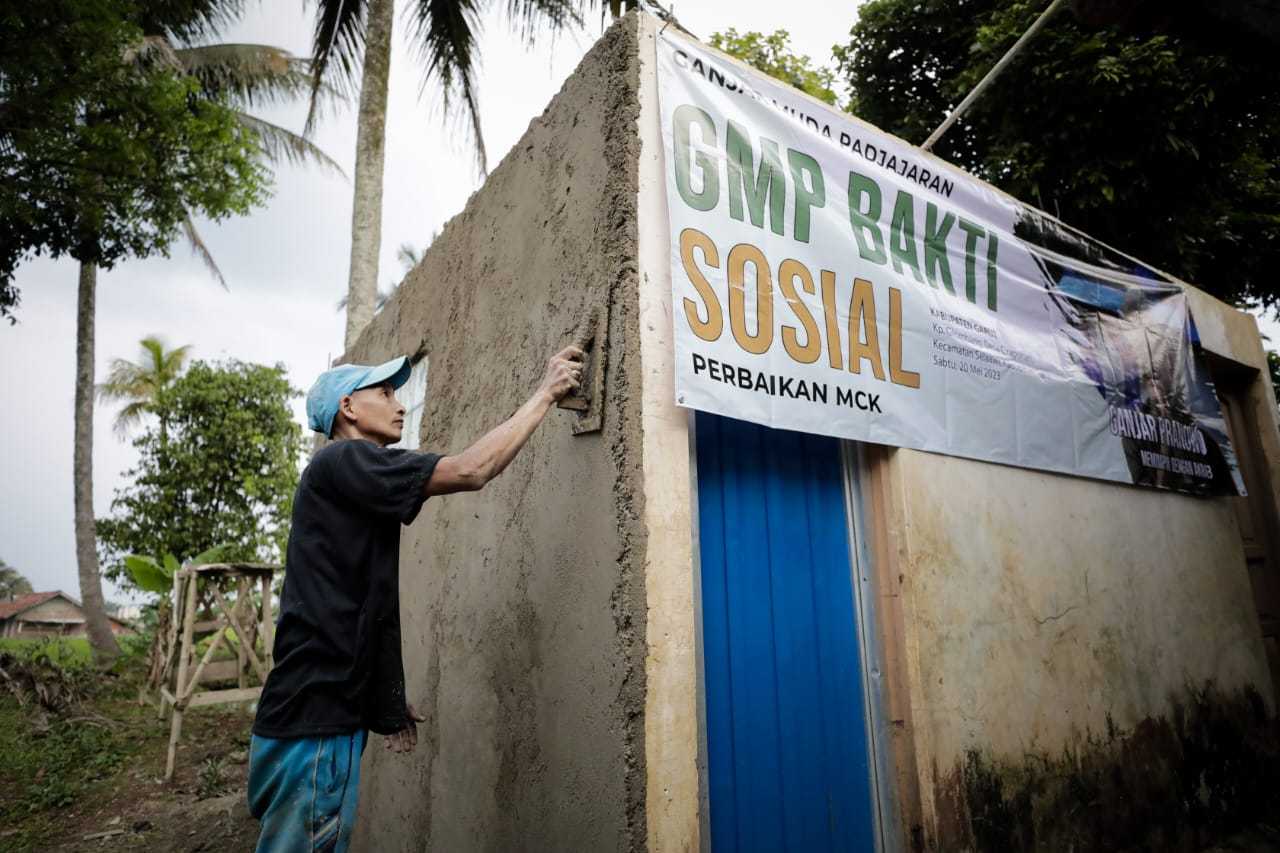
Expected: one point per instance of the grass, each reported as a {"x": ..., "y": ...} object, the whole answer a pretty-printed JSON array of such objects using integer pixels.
[
  {"x": 101, "y": 757},
  {"x": 49, "y": 761},
  {"x": 64, "y": 651},
  {"x": 44, "y": 769}
]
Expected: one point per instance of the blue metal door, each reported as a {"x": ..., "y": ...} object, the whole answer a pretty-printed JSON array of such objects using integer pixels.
[{"x": 787, "y": 740}]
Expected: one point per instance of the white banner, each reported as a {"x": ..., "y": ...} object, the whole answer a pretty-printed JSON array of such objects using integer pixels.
[{"x": 829, "y": 278}]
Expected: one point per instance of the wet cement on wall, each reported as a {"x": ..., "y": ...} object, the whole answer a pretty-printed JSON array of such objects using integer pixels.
[{"x": 522, "y": 605}]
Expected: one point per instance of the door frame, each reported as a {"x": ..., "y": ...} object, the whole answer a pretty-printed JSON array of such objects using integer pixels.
[{"x": 874, "y": 662}]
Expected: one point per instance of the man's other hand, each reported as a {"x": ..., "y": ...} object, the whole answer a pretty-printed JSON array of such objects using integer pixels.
[
  {"x": 564, "y": 373},
  {"x": 406, "y": 739}
]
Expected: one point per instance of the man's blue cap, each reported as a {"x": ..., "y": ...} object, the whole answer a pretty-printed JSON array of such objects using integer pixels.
[{"x": 334, "y": 384}]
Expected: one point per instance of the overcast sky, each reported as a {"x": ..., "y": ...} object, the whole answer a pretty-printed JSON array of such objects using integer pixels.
[{"x": 286, "y": 264}]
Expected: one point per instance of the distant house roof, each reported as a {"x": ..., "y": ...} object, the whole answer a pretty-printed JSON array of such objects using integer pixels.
[
  {"x": 26, "y": 602},
  {"x": 22, "y": 603}
]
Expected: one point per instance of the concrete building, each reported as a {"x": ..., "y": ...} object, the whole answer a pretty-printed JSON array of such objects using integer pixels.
[{"x": 1021, "y": 645}]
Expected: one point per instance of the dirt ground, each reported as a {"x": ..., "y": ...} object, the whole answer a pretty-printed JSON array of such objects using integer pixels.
[
  {"x": 202, "y": 809},
  {"x": 92, "y": 780}
]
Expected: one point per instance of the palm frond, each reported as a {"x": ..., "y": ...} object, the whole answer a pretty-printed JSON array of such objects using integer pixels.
[
  {"x": 174, "y": 360},
  {"x": 123, "y": 382},
  {"x": 153, "y": 352},
  {"x": 280, "y": 144},
  {"x": 380, "y": 301},
  {"x": 408, "y": 256},
  {"x": 528, "y": 17},
  {"x": 160, "y": 365},
  {"x": 202, "y": 251},
  {"x": 129, "y": 417},
  {"x": 445, "y": 32},
  {"x": 339, "y": 37},
  {"x": 250, "y": 75},
  {"x": 153, "y": 49},
  {"x": 188, "y": 21}
]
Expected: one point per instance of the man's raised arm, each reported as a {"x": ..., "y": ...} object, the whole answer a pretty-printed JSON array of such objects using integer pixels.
[{"x": 486, "y": 459}]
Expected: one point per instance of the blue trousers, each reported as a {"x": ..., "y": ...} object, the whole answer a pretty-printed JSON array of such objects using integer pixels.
[{"x": 304, "y": 791}]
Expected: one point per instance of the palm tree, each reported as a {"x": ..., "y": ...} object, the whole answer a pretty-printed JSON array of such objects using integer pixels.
[
  {"x": 12, "y": 582},
  {"x": 358, "y": 32},
  {"x": 245, "y": 76},
  {"x": 101, "y": 638},
  {"x": 138, "y": 383},
  {"x": 409, "y": 257}
]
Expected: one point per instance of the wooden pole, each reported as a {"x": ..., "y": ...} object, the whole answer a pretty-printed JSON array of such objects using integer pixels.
[
  {"x": 166, "y": 668},
  {"x": 232, "y": 617},
  {"x": 986, "y": 81},
  {"x": 184, "y": 655},
  {"x": 219, "y": 637},
  {"x": 268, "y": 627},
  {"x": 242, "y": 658}
]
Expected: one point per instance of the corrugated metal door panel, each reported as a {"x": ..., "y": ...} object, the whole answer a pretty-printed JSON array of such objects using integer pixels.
[{"x": 786, "y": 734}]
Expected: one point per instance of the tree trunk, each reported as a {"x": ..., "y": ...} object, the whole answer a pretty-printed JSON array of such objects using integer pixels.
[
  {"x": 366, "y": 211},
  {"x": 101, "y": 639}
]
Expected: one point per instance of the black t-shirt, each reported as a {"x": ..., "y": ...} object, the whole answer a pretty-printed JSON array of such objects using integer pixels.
[{"x": 337, "y": 647}]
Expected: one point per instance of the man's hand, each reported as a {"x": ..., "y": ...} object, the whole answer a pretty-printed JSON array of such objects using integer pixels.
[
  {"x": 406, "y": 739},
  {"x": 487, "y": 458},
  {"x": 564, "y": 373}
]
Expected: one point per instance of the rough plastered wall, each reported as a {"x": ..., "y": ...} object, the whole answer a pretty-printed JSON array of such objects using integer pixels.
[
  {"x": 523, "y": 611},
  {"x": 1055, "y": 623}
]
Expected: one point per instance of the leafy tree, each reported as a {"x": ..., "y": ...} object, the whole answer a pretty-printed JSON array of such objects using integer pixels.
[
  {"x": 103, "y": 148},
  {"x": 772, "y": 54},
  {"x": 158, "y": 41},
  {"x": 224, "y": 473},
  {"x": 106, "y": 150},
  {"x": 1164, "y": 147},
  {"x": 137, "y": 383},
  {"x": 357, "y": 35},
  {"x": 12, "y": 582}
]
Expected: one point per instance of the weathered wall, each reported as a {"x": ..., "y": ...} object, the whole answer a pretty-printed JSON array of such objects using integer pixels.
[
  {"x": 523, "y": 606},
  {"x": 1039, "y": 603},
  {"x": 55, "y": 609},
  {"x": 1041, "y": 612}
]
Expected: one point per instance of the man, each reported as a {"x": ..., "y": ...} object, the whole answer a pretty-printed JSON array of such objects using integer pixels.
[{"x": 338, "y": 672}]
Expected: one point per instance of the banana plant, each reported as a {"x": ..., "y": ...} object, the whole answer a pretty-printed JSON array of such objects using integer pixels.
[{"x": 154, "y": 575}]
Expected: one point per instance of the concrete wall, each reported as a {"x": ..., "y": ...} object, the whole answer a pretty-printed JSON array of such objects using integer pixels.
[
  {"x": 522, "y": 606},
  {"x": 1040, "y": 612}
]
